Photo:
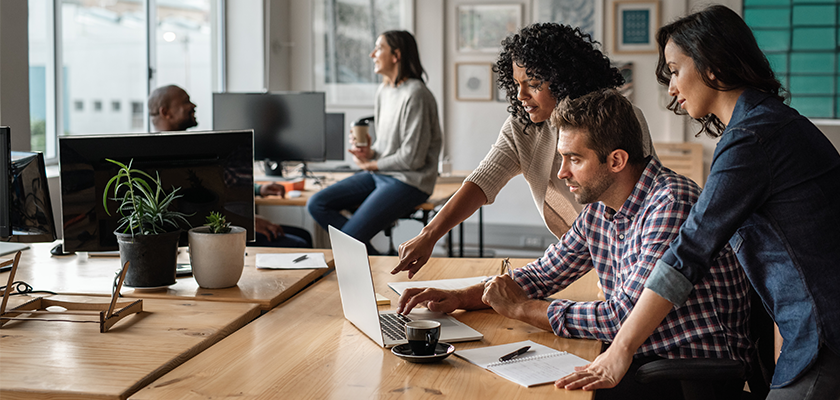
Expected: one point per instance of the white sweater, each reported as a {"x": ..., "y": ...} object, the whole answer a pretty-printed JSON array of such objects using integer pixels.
[{"x": 408, "y": 135}]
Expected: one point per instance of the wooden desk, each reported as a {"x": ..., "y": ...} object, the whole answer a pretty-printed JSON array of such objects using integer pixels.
[
  {"x": 82, "y": 275},
  {"x": 440, "y": 195},
  {"x": 305, "y": 349},
  {"x": 74, "y": 361}
]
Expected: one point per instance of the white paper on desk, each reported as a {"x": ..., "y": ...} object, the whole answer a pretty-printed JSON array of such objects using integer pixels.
[
  {"x": 540, "y": 365},
  {"x": 286, "y": 261},
  {"x": 445, "y": 284}
]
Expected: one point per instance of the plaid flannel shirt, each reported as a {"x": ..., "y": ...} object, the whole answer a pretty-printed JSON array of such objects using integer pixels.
[{"x": 623, "y": 246}]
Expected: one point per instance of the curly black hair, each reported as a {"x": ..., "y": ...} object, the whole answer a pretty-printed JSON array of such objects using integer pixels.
[{"x": 562, "y": 56}]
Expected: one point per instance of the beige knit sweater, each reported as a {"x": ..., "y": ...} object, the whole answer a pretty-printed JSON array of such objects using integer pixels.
[{"x": 534, "y": 155}]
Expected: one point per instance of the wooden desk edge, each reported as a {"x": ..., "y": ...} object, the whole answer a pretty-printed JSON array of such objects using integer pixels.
[{"x": 251, "y": 315}]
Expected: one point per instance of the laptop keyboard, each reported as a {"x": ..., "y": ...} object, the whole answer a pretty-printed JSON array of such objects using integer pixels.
[{"x": 393, "y": 325}]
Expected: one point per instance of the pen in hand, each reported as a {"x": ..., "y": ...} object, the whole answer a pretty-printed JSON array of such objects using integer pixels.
[
  {"x": 517, "y": 353},
  {"x": 301, "y": 258}
]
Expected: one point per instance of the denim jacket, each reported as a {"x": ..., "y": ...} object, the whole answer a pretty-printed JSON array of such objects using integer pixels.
[{"x": 773, "y": 193}]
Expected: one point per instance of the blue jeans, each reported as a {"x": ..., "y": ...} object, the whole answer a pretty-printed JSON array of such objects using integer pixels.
[
  {"x": 381, "y": 200},
  {"x": 292, "y": 237}
]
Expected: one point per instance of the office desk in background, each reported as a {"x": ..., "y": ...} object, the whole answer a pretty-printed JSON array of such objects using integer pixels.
[
  {"x": 64, "y": 360},
  {"x": 83, "y": 275},
  {"x": 305, "y": 349},
  {"x": 445, "y": 188}
]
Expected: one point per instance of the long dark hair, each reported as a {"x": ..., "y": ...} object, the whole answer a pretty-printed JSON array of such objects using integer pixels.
[
  {"x": 560, "y": 55},
  {"x": 719, "y": 41},
  {"x": 409, "y": 66}
]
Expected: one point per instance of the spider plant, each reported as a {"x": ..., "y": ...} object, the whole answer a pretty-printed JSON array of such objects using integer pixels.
[{"x": 143, "y": 204}]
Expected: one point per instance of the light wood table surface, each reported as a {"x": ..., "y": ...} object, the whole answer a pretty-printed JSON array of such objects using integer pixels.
[
  {"x": 305, "y": 349},
  {"x": 63, "y": 360},
  {"x": 442, "y": 192},
  {"x": 83, "y": 275}
]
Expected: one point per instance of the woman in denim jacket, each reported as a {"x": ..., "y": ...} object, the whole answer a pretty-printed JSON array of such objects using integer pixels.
[{"x": 773, "y": 193}]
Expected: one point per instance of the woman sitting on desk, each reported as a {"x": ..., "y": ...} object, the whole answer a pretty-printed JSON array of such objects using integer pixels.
[{"x": 401, "y": 166}]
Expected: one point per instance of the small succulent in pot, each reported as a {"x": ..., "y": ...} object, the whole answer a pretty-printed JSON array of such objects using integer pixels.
[{"x": 217, "y": 223}]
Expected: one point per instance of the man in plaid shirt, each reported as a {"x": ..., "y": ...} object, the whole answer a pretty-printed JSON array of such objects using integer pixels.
[{"x": 635, "y": 207}]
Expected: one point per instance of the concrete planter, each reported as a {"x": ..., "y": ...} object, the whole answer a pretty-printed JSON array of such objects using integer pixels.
[
  {"x": 152, "y": 259},
  {"x": 217, "y": 259}
]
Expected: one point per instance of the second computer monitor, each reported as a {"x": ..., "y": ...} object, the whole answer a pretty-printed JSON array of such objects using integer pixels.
[
  {"x": 336, "y": 136},
  {"x": 288, "y": 126}
]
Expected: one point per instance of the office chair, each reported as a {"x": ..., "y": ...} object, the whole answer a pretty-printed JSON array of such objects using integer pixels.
[{"x": 699, "y": 377}]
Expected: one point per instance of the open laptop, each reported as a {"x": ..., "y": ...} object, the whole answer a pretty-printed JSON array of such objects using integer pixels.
[{"x": 358, "y": 299}]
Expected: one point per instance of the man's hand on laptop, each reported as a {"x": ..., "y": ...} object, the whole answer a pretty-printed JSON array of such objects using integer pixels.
[
  {"x": 444, "y": 301},
  {"x": 437, "y": 300}
]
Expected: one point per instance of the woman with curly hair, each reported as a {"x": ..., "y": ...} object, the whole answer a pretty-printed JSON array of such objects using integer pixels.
[{"x": 538, "y": 66}]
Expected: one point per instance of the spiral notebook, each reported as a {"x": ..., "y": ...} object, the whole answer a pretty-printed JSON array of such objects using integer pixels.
[{"x": 540, "y": 365}]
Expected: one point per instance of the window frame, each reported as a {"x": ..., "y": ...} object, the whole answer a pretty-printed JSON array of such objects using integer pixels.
[{"x": 55, "y": 109}]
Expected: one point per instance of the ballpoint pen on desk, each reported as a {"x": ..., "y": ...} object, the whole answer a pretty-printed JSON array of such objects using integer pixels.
[
  {"x": 512, "y": 355},
  {"x": 301, "y": 258}
]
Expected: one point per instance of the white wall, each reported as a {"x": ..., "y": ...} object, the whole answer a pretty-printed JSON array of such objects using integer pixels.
[
  {"x": 245, "y": 50},
  {"x": 14, "y": 72}
]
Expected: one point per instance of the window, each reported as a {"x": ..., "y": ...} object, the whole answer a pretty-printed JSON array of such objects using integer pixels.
[
  {"x": 137, "y": 115},
  {"x": 345, "y": 33},
  {"x": 800, "y": 38},
  {"x": 103, "y": 53},
  {"x": 184, "y": 52}
]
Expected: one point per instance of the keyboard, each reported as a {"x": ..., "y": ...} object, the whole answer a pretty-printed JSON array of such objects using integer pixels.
[{"x": 393, "y": 325}]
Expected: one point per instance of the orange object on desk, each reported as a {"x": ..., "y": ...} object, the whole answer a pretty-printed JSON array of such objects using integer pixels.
[{"x": 296, "y": 184}]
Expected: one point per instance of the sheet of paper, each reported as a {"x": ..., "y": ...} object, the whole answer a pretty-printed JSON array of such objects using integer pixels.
[
  {"x": 287, "y": 261},
  {"x": 446, "y": 284}
]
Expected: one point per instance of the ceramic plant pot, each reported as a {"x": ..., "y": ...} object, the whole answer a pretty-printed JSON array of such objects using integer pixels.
[
  {"x": 152, "y": 259},
  {"x": 217, "y": 259}
]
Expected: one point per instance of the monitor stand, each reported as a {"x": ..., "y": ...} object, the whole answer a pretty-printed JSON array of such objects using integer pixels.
[{"x": 58, "y": 250}]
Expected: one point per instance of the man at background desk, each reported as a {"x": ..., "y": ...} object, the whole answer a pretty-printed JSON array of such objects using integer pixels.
[
  {"x": 170, "y": 109},
  {"x": 635, "y": 207}
]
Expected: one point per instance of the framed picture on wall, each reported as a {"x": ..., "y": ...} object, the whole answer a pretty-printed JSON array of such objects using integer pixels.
[
  {"x": 474, "y": 81},
  {"x": 481, "y": 28},
  {"x": 635, "y": 24},
  {"x": 588, "y": 15}
]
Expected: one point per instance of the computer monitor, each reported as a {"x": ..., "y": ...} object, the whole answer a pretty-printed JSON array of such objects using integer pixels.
[
  {"x": 336, "y": 134},
  {"x": 288, "y": 126},
  {"x": 31, "y": 214},
  {"x": 5, "y": 180},
  {"x": 215, "y": 171}
]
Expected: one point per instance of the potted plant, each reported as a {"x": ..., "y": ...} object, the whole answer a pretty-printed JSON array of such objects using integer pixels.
[
  {"x": 217, "y": 252},
  {"x": 148, "y": 231}
]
